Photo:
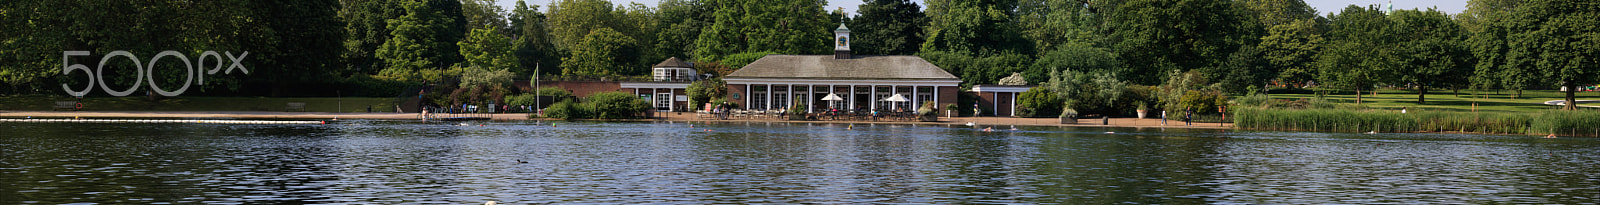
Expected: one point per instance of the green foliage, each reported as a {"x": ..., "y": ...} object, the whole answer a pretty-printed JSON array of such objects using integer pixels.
[
  {"x": 474, "y": 76},
  {"x": 1243, "y": 69},
  {"x": 532, "y": 47},
  {"x": 1178, "y": 86},
  {"x": 1292, "y": 49},
  {"x": 484, "y": 14},
  {"x": 788, "y": 27},
  {"x": 571, "y": 21},
  {"x": 485, "y": 48},
  {"x": 1565, "y": 122},
  {"x": 522, "y": 100},
  {"x": 1076, "y": 56},
  {"x": 616, "y": 105},
  {"x": 1555, "y": 40},
  {"x": 1040, "y": 101},
  {"x": 1154, "y": 37},
  {"x": 974, "y": 28},
  {"x": 1431, "y": 51},
  {"x": 701, "y": 92},
  {"x": 601, "y": 53},
  {"x": 555, "y": 93},
  {"x": 980, "y": 69},
  {"x": 366, "y": 85},
  {"x": 888, "y": 27},
  {"x": 1203, "y": 102},
  {"x": 1339, "y": 120},
  {"x": 1356, "y": 36},
  {"x": 567, "y": 110},
  {"x": 423, "y": 39},
  {"x": 1100, "y": 92}
]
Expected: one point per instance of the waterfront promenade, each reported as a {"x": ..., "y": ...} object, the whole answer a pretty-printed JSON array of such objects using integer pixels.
[{"x": 685, "y": 117}]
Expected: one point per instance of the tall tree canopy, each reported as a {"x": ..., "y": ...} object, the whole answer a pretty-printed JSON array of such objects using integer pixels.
[
  {"x": 1358, "y": 54},
  {"x": 1557, "y": 39},
  {"x": 1431, "y": 51},
  {"x": 888, "y": 27},
  {"x": 601, "y": 53},
  {"x": 982, "y": 28},
  {"x": 1157, "y": 36},
  {"x": 790, "y": 27},
  {"x": 424, "y": 40}
]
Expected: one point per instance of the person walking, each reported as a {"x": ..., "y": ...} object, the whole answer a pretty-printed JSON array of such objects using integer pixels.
[
  {"x": 1188, "y": 116},
  {"x": 1163, "y": 117}
]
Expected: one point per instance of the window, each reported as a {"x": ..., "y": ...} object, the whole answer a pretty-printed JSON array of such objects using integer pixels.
[
  {"x": 663, "y": 101},
  {"x": 758, "y": 97}
]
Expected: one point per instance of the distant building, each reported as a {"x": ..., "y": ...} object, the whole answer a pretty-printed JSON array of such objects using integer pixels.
[{"x": 774, "y": 82}]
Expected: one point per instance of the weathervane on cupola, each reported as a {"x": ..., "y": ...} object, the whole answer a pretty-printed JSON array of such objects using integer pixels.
[{"x": 841, "y": 38}]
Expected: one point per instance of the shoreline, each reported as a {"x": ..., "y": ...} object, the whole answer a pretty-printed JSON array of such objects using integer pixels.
[{"x": 671, "y": 116}]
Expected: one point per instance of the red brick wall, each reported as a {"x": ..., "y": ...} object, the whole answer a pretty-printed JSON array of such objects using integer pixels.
[{"x": 737, "y": 89}]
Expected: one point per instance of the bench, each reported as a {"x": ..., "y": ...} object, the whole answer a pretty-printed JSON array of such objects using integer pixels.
[
  {"x": 295, "y": 106},
  {"x": 69, "y": 105}
]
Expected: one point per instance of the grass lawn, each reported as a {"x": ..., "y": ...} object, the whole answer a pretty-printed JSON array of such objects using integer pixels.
[
  {"x": 350, "y": 104},
  {"x": 1446, "y": 100}
]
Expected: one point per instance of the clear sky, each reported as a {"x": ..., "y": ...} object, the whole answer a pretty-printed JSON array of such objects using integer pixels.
[{"x": 1323, "y": 6}]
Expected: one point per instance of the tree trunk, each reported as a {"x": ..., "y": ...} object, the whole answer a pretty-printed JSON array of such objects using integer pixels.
[
  {"x": 1358, "y": 95},
  {"x": 1422, "y": 94},
  {"x": 1572, "y": 104}
]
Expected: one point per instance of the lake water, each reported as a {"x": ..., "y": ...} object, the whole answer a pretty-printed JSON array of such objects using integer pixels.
[{"x": 367, "y": 162}]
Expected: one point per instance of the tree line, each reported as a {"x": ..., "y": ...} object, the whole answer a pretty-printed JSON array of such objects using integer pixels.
[{"x": 1233, "y": 45}]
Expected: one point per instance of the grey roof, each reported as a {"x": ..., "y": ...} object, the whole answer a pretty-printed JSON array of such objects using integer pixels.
[
  {"x": 842, "y": 28},
  {"x": 672, "y": 63},
  {"x": 826, "y": 67}
]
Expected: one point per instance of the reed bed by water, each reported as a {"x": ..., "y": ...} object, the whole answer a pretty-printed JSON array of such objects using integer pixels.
[{"x": 1567, "y": 123}]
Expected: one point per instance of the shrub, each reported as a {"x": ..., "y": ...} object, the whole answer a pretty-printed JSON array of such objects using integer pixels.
[
  {"x": 616, "y": 105},
  {"x": 566, "y": 110},
  {"x": 703, "y": 91},
  {"x": 1038, "y": 102},
  {"x": 1203, "y": 102}
]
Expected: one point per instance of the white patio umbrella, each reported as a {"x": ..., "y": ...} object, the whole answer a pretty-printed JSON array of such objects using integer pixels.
[
  {"x": 896, "y": 98},
  {"x": 832, "y": 97}
]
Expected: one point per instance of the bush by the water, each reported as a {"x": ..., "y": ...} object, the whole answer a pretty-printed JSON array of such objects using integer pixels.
[
  {"x": 1572, "y": 123},
  {"x": 604, "y": 105},
  {"x": 616, "y": 105},
  {"x": 566, "y": 110}
]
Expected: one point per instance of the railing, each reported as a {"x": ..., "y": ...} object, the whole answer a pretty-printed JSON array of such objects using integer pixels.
[{"x": 456, "y": 112}]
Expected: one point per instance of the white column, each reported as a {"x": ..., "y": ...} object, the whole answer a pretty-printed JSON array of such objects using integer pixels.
[
  {"x": 769, "y": 97},
  {"x": 811, "y": 92},
  {"x": 872, "y": 97},
  {"x": 852, "y": 96},
  {"x": 996, "y": 104},
  {"x": 893, "y": 90},
  {"x": 1013, "y": 104},
  {"x": 936, "y": 98}
]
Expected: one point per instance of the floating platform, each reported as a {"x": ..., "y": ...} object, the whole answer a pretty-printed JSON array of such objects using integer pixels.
[{"x": 162, "y": 121}]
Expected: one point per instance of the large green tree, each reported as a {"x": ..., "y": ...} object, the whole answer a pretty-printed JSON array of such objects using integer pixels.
[
  {"x": 1430, "y": 50},
  {"x": 486, "y": 48},
  {"x": 1558, "y": 39},
  {"x": 532, "y": 46},
  {"x": 1291, "y": 50},
  {"x": 978, "y": 28},
  {"x": 888, "y": 27},
  {"x": 680, "y": 24},
  {"x": 424, "y": 40},
  {"x": 1359, "y": 51},
  {"x": 366, "y": 28},
  {"x": 601, "y": 53},
  {"x": 789, "y": 27},
  {"x": 1157, "y": 36},
  {"x": 571, "y": 20}
]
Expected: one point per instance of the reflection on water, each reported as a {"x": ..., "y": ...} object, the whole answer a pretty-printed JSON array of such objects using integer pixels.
[{"x": 407, "y": 162}]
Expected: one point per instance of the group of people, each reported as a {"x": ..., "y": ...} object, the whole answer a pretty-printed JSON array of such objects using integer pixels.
[{"x": 1188, "y": 115}]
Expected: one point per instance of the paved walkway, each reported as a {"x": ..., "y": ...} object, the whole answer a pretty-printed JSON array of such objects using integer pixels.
[{"x": 980, "y": 121}]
